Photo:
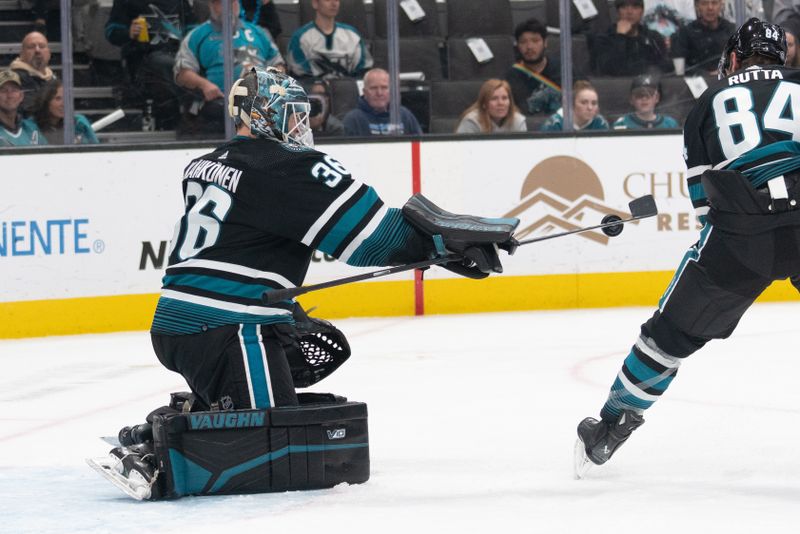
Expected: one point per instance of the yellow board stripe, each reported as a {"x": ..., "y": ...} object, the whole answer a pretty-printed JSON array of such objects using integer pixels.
[{"x": 372, "y": 299}]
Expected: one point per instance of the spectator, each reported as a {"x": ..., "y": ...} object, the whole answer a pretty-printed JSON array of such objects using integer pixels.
[
  {"x": 585, "y": 112},
  {"x": 667, "y": 16},
  {"x": 792, "y": 29},
  {"x": 535, "y": 80},
  {"x": 264, "y": 13},
  {"x": 48, "y": 113},
  {"x": 148, "y": 45},
  {"x": 493, "y": 112},
  {"x": 32, "y": 66},
  {"x": 645, "y": 95},
  {"x": 371, "y": 117},
  {"x": 322, "y": 123},
  {"x": 628, "y": 48},
  {"x": 701, "y": 41},
  {"x": 199, "y": 64},
  {"x": 14, "y": 129},
  {"x": 325, "y": 48}
]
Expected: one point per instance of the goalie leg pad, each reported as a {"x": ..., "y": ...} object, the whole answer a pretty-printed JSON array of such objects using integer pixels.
[{"x": 256, "y": 451}]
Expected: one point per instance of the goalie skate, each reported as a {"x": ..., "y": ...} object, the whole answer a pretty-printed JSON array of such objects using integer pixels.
[{"x": 127, "y": 471}]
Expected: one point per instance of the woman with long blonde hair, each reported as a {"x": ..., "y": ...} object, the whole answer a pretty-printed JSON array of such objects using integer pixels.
[{"x": 493, "y": 112}]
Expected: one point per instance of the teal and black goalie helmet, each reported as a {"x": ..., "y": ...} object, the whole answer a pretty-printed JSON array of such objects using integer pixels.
[{"x": 273, "y": 105}]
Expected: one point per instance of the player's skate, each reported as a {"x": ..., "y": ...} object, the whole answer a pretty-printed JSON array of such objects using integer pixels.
[
  {"x": 598, "y": 440},
  {"x": 130, "y": 469}
]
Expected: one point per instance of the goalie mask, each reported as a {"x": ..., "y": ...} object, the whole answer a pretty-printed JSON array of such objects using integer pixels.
[
  {"x": 273, "y": 105},
  {"x": 754, "y": 37}
]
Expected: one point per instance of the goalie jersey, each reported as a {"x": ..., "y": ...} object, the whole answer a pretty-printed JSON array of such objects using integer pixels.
[
  {"x": 255, "y": 210},
  {"x": 749, "y": 122}
]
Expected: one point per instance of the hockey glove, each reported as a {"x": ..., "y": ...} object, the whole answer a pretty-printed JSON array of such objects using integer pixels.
[
  {"x": 473, "y": 240},
  {"x": 477, "y": 262}
]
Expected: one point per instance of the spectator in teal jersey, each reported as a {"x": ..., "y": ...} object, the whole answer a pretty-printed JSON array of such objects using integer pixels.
[
  {"x": 585, "y": 111},
  {"x": 645, "y": 95},
  {"x": 199, "y": 63},
  {"x": 14, "y": 130},
  {"x": 48, "y": 112}
]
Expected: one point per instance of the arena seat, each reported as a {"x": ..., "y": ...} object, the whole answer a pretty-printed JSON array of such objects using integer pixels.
[
  {"x": 449, "y": 99},
  {"x": 344, "y": 96},
  {"x": 427, "y": 27},
  {"x": 581, "y": 60},
  {"x": 468, "y": 18},
  {"x": 422, "y": 54},
  {"x": 596, "y": 24},
  {"x": 461, "y": 63}
]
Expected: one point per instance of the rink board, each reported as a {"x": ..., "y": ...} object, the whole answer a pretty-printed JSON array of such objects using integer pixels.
[{"x": 84, "y": 235}]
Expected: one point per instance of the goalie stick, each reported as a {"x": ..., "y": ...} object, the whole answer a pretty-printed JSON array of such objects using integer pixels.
[{"x": 641, "y": 208}]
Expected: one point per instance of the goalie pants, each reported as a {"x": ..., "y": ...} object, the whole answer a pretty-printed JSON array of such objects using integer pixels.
[
  {"x": 231, "y": 367},
  {"x": 717, "y": 281}
]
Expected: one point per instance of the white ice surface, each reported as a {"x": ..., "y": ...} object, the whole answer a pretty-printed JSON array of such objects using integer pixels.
[{"x": 472, "y": 423}]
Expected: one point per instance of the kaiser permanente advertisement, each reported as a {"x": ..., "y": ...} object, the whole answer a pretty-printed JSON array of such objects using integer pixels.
[{"x": 84, "y": 236}]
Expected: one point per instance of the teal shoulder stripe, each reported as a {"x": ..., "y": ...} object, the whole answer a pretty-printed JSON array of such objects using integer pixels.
[{"x": 348, "y": 221}]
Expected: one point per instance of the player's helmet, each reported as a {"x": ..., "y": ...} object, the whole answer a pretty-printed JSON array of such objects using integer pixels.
[
  {"x": 754, "y": 37},
  {"x": 273, "y": 105}
]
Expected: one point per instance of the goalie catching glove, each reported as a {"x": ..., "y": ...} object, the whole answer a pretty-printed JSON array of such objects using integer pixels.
[{"x": 472, "y": 241}]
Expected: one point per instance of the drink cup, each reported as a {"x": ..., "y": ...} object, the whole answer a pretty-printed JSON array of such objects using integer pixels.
[{"x": 680, "y": 65}]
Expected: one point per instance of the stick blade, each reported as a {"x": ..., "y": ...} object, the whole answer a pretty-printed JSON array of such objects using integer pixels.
[{"x": 643, "y": 207}]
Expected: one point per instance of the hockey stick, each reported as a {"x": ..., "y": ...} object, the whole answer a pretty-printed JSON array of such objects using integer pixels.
[
  {"x": 271, "y": 297},
  {"x": 641, "y": 208}
]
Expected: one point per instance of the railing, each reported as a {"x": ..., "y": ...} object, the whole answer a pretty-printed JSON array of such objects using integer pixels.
[{"x": 427, "y": 62}]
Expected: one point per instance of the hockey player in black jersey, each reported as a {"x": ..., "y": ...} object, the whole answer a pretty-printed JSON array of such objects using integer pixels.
[
  {"x": 743, "y": 158},
  {"x": 255, "y": 210}
]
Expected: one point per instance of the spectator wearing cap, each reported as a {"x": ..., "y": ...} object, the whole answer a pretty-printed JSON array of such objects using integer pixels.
[
  {"x": 628, "y": 47},
  {"x": 585, "y": 111},
  {"x": 14, "y": 129},
  {"x": 32, "y": 66},
  {"x": 371, "y": 116},
  {"x": 324, "y": 48},
  {"x": 645, "y": 95},
  {"x": 535, "y": 80},
  {"x": 702, "y": 41}
]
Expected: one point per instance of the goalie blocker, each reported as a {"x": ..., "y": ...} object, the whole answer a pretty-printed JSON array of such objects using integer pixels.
[{"x": 319, "y": 444}]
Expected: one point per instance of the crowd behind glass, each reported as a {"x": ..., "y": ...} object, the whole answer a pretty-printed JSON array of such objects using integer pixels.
[{"x": 635, "y": 64}]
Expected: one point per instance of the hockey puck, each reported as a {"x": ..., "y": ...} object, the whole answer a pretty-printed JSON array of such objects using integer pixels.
[{"x": 615, "y": 229}]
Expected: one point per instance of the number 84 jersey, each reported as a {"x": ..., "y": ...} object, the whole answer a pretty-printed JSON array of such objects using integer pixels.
[
  {"x": 748, "y": 121},
  {"x": 255, "y": 210}
]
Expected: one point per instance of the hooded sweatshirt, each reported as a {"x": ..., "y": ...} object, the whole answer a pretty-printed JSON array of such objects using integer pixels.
[
  {"x": 32, "y": 80},
  {"x": 364, "y": 121}
]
